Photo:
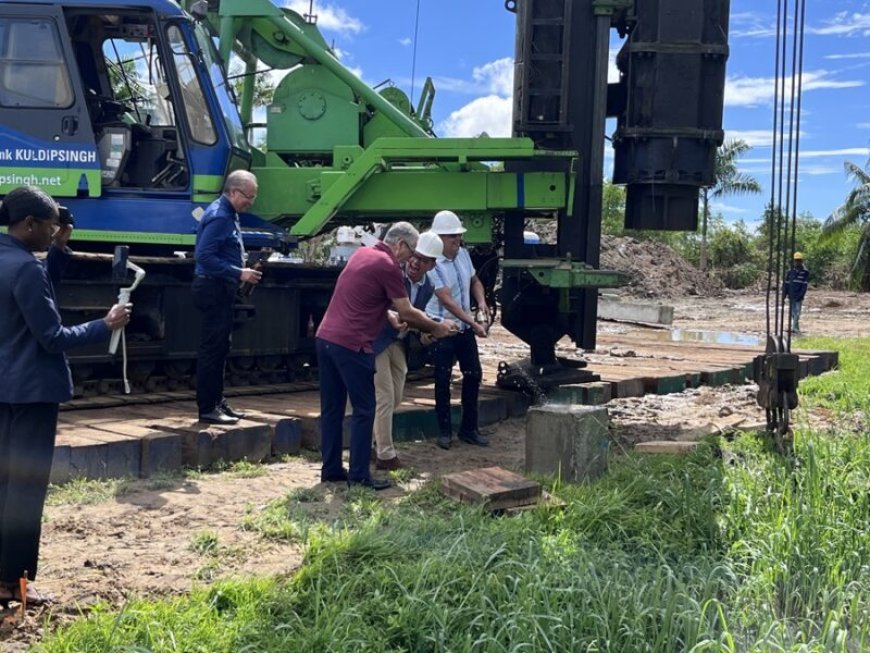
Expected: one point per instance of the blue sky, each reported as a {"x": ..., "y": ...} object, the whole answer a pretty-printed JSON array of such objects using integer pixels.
[{"x": 467, "y": 47}]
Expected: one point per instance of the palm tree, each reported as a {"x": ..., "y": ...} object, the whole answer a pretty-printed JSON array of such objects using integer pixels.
[
  {"x": 855, "y": 211},
  {"x": 728, "y": 182}
]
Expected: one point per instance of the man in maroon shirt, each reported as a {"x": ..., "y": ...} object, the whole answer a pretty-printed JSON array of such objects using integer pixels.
[{"x": 369, "y": 285}]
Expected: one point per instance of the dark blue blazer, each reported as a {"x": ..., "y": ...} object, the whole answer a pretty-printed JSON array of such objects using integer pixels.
[
  {"x": 389, "y": 335},
  {"x": 32, "y": 339}
]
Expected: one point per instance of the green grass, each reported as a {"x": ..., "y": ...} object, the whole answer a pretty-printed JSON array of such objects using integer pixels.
[
  {"x": 742, "y": 552},
  {"x": 80, "y": 491}
]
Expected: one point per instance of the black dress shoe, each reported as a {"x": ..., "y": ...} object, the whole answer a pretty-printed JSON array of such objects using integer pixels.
[
  {"x": 474, "y": 438},
  {"x": 217, "y": 416},
  {"x": 340, "y": 477},
  {"x": 232, "y": 412},
  {"x": 443, "y": 441},
  {"x": 373, "y": 483}
]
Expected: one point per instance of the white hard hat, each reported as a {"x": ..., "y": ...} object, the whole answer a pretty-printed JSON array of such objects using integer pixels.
[
  {"x": 429, "y": 244},
  {"x": 446, "y": 223}
]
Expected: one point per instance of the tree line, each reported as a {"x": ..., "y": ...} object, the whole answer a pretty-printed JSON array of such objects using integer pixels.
[{"x": 836, "y": 248}]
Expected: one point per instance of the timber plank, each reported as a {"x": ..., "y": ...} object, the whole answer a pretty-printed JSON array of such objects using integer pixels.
[{"x": 494, "y": 487}]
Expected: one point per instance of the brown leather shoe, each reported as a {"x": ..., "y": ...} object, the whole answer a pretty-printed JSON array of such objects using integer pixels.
[{"x": 391, "y": 464}]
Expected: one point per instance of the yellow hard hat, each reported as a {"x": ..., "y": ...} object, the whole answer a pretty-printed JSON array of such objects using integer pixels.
[{"x": 798, "y": 256}]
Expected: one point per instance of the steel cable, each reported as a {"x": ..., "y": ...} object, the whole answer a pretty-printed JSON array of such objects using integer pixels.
[{"x": 782, "y": 208}]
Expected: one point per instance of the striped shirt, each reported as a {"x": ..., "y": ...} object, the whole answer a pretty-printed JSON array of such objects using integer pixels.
[{"x": 455, "y": 274}]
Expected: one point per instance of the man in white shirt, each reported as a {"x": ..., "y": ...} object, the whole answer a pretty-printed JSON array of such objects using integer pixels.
[{"x": 455, "y": 283}]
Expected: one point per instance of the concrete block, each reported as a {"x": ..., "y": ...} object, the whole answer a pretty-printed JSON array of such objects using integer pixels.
[
  {"x": 517, "y": 404},
  {"x": 196, "y": 448},
  {"x": 60, "y": 465},
  {"x": 598, "y": 392},
  {"x": 665, "y": 446},
  {"x": 287, "y": 436},
  {"x": 311, "y": 433},
  {"x": 123, "y": 458},
  {"x": 492, "y": 410},
  {"x": 568, "y": 441},
  {"x": 567, "y": 395},
  {"x": 161, "y": 452},
  {"x": 664, "y": 385},
  {"x": 718, "y": 377},
  {"x": 593, "y": 393},
  {"x": 612, "y": 309},
  {"x": 89, "y": 460},
  {"x": 248, "y": 441}
]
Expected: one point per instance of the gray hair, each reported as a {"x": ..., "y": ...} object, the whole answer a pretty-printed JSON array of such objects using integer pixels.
[
  {"x": 239, "y": 180},
  {"x": 402, "y": 231}
]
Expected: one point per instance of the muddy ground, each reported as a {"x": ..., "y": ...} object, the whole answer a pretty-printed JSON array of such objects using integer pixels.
[{"x": 143, "y": 542}]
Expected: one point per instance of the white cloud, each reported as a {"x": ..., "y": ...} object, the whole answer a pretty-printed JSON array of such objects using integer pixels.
[
  {"x": 612, "y": 70},
  {"x": 341, "y": 55},
  {"x": 863, "y": 125},
  {"x": 752, "y": 137},
  {"x": 491, "y": 114},
  {"x": 749, "y": 24},
  {"x": 496, "y": 76},
  {"x": 844, "y": 23},
  {"x": 810, "y": 154},
  {"x": 846, "y": 151},
  {"x": 756, "y": 91},
  {"x": 818, "y": 169},
  {"x": 406, "y": 41},
  {"x": 329, "y": 17},
  {"x": 719, "y": 207},
  {"x": 493, "y": 78},
  {"x": 852, "y": 55}
]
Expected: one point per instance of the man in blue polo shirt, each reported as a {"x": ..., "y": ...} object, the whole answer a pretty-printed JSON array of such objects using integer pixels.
[
  {"x": 456, "y": 282},
  {"x": 220, "y": 268}
]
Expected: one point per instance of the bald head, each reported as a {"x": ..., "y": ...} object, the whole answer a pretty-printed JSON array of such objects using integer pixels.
[{"x": 240, "y": 188}]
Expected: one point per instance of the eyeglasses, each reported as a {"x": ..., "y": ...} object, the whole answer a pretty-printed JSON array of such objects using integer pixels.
[{"x": 250, "y": 198}]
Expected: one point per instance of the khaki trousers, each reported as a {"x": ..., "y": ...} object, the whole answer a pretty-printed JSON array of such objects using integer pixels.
[{"x": 390, "y": 371}]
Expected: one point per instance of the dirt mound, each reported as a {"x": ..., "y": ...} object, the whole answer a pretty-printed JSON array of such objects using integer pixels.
[{"x": 654, "y": 269}]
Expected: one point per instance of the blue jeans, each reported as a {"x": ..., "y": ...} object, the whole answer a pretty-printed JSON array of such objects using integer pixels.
[
  {"x": 463, "y": 348},
  {"x": 345, "y": 373},
  {"x": 796, "y": 315}
]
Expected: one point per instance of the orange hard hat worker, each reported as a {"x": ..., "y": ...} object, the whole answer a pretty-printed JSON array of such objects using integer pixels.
[{"x": 798, "y": 256}]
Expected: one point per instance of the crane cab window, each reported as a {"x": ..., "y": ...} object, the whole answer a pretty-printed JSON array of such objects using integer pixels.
[
  {"x": 195, "y": 105},
  {"x": 32, "y": 69},
  {"x": 130, "y": 99}
]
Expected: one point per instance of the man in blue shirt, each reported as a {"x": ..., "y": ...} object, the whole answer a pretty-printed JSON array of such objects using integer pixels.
[
  {"x": 220, "y": 268},
  {"x": 795, "y": 288},
  {"x": 456, "y": 282}
]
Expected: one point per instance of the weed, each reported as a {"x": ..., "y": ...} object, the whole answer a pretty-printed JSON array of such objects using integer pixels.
[
  {"x": 81, "y": 491},
  {"x": 204, "y": 543}
]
